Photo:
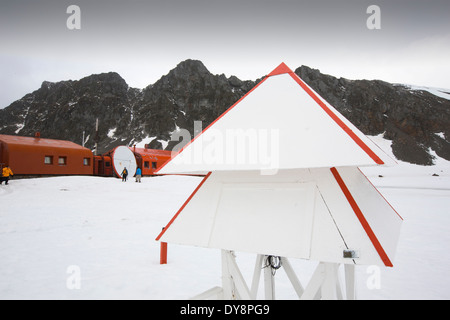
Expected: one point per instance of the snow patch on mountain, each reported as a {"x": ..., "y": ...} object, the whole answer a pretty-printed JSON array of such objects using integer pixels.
[{"x": 439, "y": 92}]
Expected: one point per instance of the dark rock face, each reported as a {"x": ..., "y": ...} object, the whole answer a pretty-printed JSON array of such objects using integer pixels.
[
  {"x": 65, "y": 109},
  {"x": 186, "y": 94},
  {"x": 126, "y": 115},
  {"x": 416, "y": 121}
]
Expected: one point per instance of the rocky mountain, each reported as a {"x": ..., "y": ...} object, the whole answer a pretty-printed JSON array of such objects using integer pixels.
[{"x": 417, "y": 122}]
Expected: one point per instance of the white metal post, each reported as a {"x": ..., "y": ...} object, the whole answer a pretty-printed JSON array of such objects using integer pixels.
[
  {"x": 256, "y": 275},
  {"x": 233, "y": 282},
  {"x": 269, "y": 282},
  {"x": 227, "y": 280},
  {"x": 329, "y": 284},
  {"x": 324, "y": 284},
  {"x": 350, "y": 281},
  {"x": 292, "y": 276}
]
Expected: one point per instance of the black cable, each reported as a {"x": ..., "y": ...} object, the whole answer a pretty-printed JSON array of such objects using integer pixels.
[{"x": 274, "y": 262}]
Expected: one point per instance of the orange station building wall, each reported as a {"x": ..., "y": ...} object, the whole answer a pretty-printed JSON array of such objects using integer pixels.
[
  {"x": 38, "y": 156},
  {"x": 149, "y": 160}
]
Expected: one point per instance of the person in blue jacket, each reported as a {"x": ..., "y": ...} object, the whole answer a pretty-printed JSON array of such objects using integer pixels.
[{"x": 138, "y": 174}]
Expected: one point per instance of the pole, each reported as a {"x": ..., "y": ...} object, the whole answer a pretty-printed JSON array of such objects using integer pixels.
[
  {"x": 163, "y": 253},
  {"x": 96, "y": 137}
]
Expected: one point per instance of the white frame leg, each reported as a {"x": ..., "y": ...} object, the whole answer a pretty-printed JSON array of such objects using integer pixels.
[
  {"x": 324, "y": 284},
  {"x": 350, "y": 281},
  {"x": 233, "y": 283},
  {"x": 292, "y": 276},
  {"x": 256, "y": 275},
  {"x": 269, "y": 283}
]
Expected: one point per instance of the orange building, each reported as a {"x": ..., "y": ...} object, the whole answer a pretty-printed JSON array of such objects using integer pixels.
[
  {"x": 103, "y": 166},
  {"x": 149, "y": 160},
  {"x": 38, "y": 156}
]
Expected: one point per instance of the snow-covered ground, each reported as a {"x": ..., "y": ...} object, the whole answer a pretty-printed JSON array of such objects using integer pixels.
[{"x": 94, "y": 238}]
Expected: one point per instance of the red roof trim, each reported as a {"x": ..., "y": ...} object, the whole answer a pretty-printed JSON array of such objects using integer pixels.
[
  {"x": 373, "y": 238},
  {"x": 281, "y": 69}
]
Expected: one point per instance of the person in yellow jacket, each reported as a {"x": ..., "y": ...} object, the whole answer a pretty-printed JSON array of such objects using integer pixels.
[{"x": 6, "y": 172}]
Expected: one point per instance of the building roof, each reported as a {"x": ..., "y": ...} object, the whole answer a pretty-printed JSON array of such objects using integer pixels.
[
  {"x": 152, "y": 152},
  {"x": 40, "y": 142}
]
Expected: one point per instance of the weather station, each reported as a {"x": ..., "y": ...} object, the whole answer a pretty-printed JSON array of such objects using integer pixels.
[{"x": 310, "y": 201}]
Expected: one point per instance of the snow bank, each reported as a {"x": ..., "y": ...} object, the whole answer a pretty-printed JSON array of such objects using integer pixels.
[{"x": 93, "y": 238}]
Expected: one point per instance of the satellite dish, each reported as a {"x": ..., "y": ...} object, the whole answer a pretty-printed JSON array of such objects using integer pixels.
[{"x": 123, "y": 157}]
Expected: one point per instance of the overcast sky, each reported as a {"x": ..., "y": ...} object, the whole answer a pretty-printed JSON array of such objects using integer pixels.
[{"x": 144, "y": 40}]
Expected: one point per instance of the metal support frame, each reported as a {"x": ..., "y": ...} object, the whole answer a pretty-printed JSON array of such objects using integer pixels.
[{"x": 324, "y": 284}]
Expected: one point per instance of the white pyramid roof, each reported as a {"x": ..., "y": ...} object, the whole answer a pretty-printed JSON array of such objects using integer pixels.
[{"x": 280, "y": 124}]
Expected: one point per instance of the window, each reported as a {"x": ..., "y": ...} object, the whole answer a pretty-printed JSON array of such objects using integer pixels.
[
  {"x": 153, "y": 165},
  {"x": 48, "y": 160},
  {"x": 146, "y": 164},
  {"x": 87, "y": 161},
  {"x": 62, "y": 161}
]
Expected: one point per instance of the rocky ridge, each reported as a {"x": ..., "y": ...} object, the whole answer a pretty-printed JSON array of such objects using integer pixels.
[{"x": 417, "y": 122}]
